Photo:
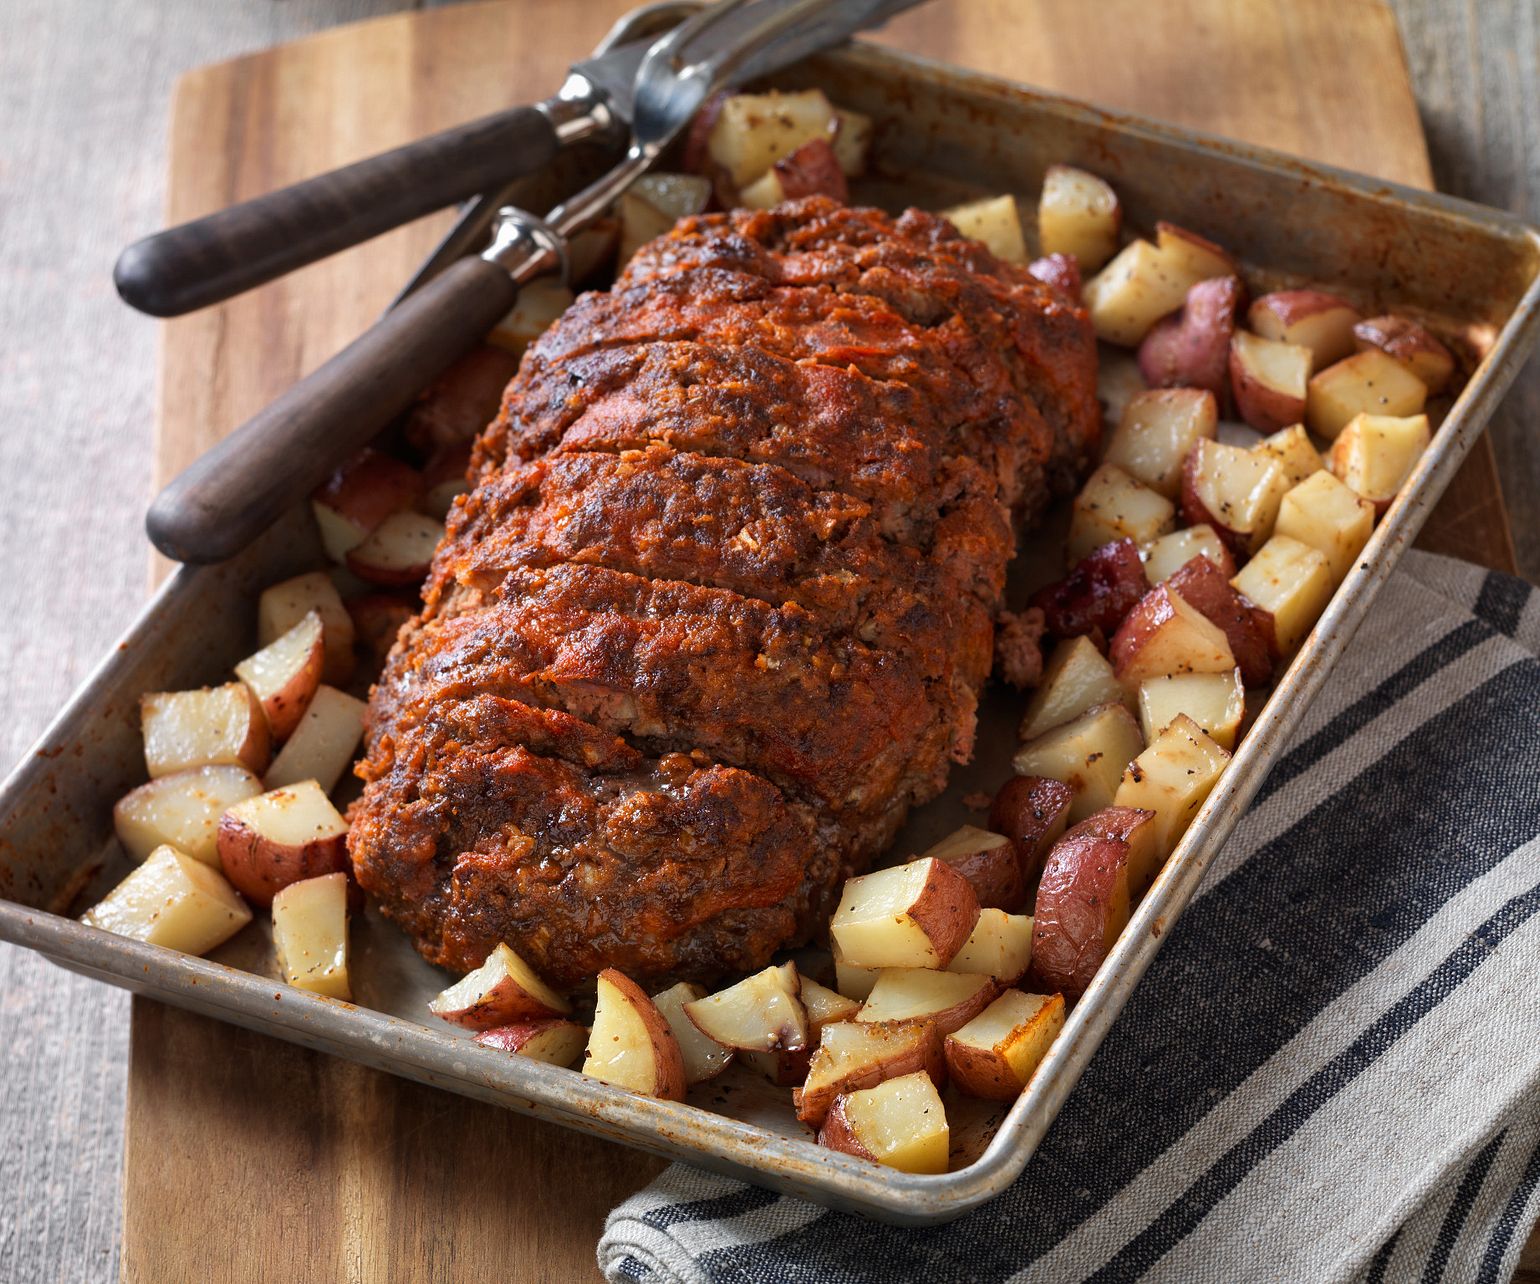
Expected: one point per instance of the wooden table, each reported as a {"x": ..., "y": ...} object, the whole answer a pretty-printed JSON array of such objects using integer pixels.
[{"x": 269, "y": 1161}]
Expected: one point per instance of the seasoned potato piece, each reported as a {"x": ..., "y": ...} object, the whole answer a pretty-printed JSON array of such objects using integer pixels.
[
  {"x": 1410, "y": 344},
  {"x": 1088, "y": 755},
  {"x": 996, "y": 1053},
  {"x": 1165, "y": 556},
  {"x": 761, "y": 1013},
  {"x": 553, "y": 1040},
  {"x": 504, "y": 989},
  {"x": 704, "y": 1058},
  {"x": 1077, "y": 677},
  {"x": 284, "y": 605},
  {"x": 1078, "y": 214},
  {"x": 1376, "y": 454},
  {"x": 1082, "y": 909},
  {"x": 1001, "y": 947},
  {"x": 1032, "y": 811},
  {"x": 1312, "y": 319},
  {"x": 861, "y": 1054},
  {"x": 950, "y": 999},
  {"x": 1268, "y": 380},
  {"x": 630, "y": 1045},
  {"x": 212, "y": 727},
  {"x": 310, "y": 935},
  {"x": 1113, "y": 506},
  {"x": 321, "y": 747},
  {"x": 1330, "y": 517},
  {"x": 1291, "y": 583},
  {"x": 277, "y": 838},
  {"x": 1166, "y": 634},
  {"x": 285, "y": 673},
  {"x": 1293, "y": 449},
  {"x": 988, "y": 861},
  {"x": 1172, "y": 778},
  {"x": 995, "y": 221},
  {"x": 543, "y": 300},
  {"x": 1367, "y": 383},
  {"x": 181, "y": 810},
  {"x": 1234, "y": 490},
  {"x": 900, "y": 1123},
  {"x": 753, "y": 131},
  {"x": 1215, "y": 701},
  {"x": 914, "y": 915},
  {"x": 172, "y": 900},
  {"x": 1158, "y": 430}
]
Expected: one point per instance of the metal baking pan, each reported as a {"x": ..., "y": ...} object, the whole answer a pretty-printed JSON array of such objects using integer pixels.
[{"x": 942, "y": 134}]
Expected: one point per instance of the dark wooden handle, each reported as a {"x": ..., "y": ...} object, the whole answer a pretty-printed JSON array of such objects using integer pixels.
[
  {"x": 215, "y": 258},
  {"x": 244, "y": 484}
]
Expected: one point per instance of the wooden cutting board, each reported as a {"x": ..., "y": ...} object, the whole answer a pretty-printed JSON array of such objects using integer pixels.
[{"x": 247, "y": 1158}]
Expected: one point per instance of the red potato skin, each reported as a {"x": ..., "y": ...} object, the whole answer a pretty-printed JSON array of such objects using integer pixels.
[
  {"x": 838, "y": 1133},
  {"x": 1204, "y": 587},
  {"x": 507, "y": 1005},
  {"x": 1059, "y": 272},
  {"x": 948, "y": 911},
  {"x": 1082, "y": 905},
  {"x": 462, "y": 401},
  {"x": 1030, "y": 811},
  {"x": 259, "y": 870},
  {"x": 1191, "y": 348},
  {"x": 1412, "y": 345},
  {"x": 1185, "y": 234},
  {"x": 516, "y": 1037},
  {"x": 1195, "y": 513},
  {"x": 370, "y": 487},
  {"x": 388, "y": 576},
  {"x": 1097, "y": 593},
  {"x": 980, "y": 1072},
  {"x": 693, "y": 159},
  {"x": 1153, "y": 610},
  {"x": 930, "y": 1056},
  {"x": 1263, "y": 408},
  {"x": 995, "y": 876},
  {"x": 667, "y": 1059},
  {"x": 813, "y": 170}
]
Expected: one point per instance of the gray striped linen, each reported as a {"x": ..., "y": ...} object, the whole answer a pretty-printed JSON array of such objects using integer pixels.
[{"x": 1329, "y": 1073}]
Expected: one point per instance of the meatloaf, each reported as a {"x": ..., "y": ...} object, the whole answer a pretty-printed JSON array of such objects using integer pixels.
[{"x": 720, "y": 605}]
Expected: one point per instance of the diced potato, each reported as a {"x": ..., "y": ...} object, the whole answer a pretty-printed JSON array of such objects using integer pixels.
[
  {"x": 1145, "y": 282},
  {"x": 987, "y": 860},
  {"x": 1234, "y": 490},
  {"x": 995, "y": 221},
  {"x": 280, "y": 837},
  {"x": 172, "y": 900},
  {"x": 825, "y": 1006},
  {"x": 1293, "y": 448},
  {"x": 1166, "y": 634},
  {"x": 1082, "y": 907},
  {"x": 901, "y": 1123},
  {"x": 310, "y": 934},
  {"x": 1165, "y": 556},
  {"x": 753, "y": 131},
  {"x": 182, "y": 810},
  {"x": 950, "y": 999},
  {"x": 1292, "y": 583},
  {"x": 853, "y": 982},
  {"x": 1135, "y": 829},
  {"x": 1001, "y": 947},
  {"x": 856, "y": 1054},
  {"x": 503, "y": 989},
  {"x": 1367, "y": 383},
  {"x": 1077, "y": 676},
  {"x": 1157, "y": 431},
  {"x": 1215, "y": 701},
  {"x": 994, "y": 1055},
  {"x": 1112, "y": 505},
  {"x": 284, "y": 605},
  {"x": 630, "y": 1044},
  {"x": 540, "y": 305},
  {"x": 1087, "y": 754},
  {"x": 553, "y": 1040},
  {"x": 704, "y": 1058},
  {"x": 1078, "y": 214},
  {"x": 1410, "y": 344},
  {"x": 1268, "y": 380},
  {"x": 1173, "y": 778},
  {"x": 914, "y": 915},
  {"x": 852, "y": 140},
  {"x": 1330, "y": 517},
  {"x": 653, "y": 204},
  {"x": 1376, "y": 454},
  {"x": 761, "y": 1013},
  {"x": 1311, "y": 318},
  {"x": 215, "y": 726},
  {"x": 285, "y": 673},
  {"x": 322, "y": 745}
]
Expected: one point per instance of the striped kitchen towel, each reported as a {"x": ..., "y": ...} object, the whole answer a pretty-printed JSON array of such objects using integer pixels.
[{"x": 1329, "y": 1073}]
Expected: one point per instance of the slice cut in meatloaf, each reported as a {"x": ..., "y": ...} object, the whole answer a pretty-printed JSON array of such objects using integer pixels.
[{"x": 719, "y": 608}]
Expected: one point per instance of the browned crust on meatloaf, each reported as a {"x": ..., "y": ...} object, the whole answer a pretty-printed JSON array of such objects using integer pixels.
[{"x": 719, "y": 608}]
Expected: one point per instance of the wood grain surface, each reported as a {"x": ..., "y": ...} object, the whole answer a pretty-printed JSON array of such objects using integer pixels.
[{"x": 83, "y": 89}]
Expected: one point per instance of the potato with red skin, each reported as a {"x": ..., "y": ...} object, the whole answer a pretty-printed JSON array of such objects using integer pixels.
[
  {"x": 901, "y": 1123},
  {"x": 1235, "y": 490},
  {"x": 1205, "y": 587},
  {"x": 503, "y": 991},
  {"x": 1268, "y": 380},
  {"x": 1191, "y": 348},
  {"x": 1134, "y": 826},
  {"x": 1082, "y": 908},
  {"x": 1031, "y": 811},
  {"x": 1099, "y": 591},
  {"x": 283, "y": 836},
  {"x": 1410, "y": 344},
  {"x": 858, "y": 1054},
  {"x": 555, "y": 1041},
  {"x": 812, "y": 170},
  {"x": 1167, "y": 634},
  {"x": 1060, "y": 272},
  {"x": 1310, "y": 319},
  {"x": 351, "y": 503},
  {"x": 631, "y": 1045},
  {"x": 988, "y": 861},
  {"x": 462, "y": 401}
]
